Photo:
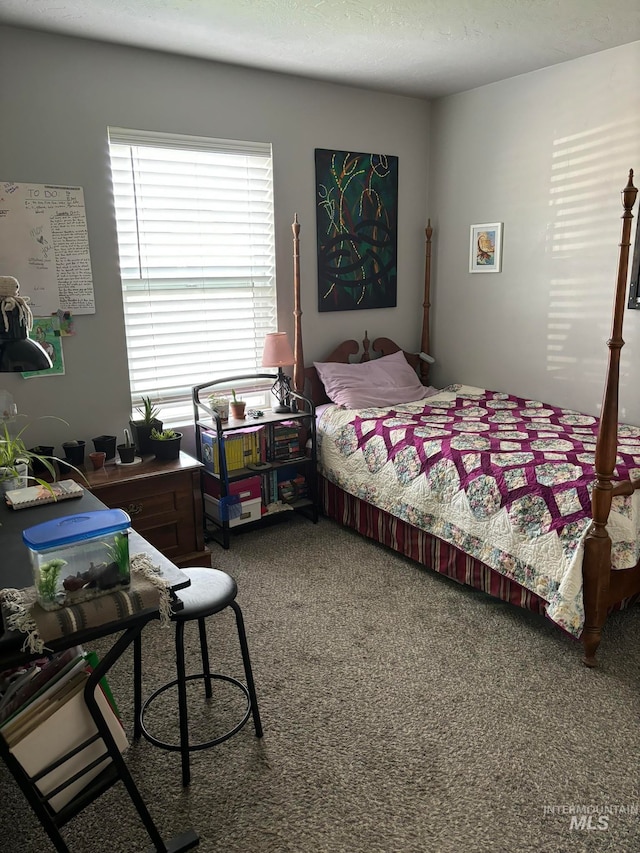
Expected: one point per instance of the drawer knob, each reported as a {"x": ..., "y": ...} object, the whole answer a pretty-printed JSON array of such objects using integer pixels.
[{"x": 134, "y": 509}]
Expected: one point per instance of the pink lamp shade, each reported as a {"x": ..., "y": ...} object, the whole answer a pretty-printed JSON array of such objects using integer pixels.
[{"x": 277, "y": 350}]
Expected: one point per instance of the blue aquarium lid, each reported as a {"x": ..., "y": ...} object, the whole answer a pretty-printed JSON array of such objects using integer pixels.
[{"x": 75, "y": 528}]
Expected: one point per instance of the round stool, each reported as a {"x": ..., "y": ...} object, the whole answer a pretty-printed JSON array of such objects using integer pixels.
[{"x": 210, "y": 592}]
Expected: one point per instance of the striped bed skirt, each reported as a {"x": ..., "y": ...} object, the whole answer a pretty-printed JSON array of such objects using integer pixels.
[
  {"x": 428, "y": 550},
  {"x": 420, "y": 546}
]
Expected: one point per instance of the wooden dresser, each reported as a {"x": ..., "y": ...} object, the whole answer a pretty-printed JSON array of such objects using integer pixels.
[{"x": 164, "y": 502}]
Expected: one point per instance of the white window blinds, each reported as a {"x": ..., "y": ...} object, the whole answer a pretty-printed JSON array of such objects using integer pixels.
[{"x": 197, "y": 260}]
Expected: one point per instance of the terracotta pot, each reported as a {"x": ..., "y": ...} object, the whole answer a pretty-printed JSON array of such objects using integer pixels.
[
  {"x": 237, "y": 410},
  {"x": 97, "y": 459}
]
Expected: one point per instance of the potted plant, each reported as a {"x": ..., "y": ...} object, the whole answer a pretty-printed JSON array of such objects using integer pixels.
[
  {"x": 166, "y": 443},
  {"x": 141, "y": 427},
  {"x": 237, "y": 407},
  {"x": 220, "y": 405},
  {"x": 16, "y": 459},
  {"x": 74, "y": 451},
  {"x": 127, "y": 451},
  {"x": 105, "y": 444}
]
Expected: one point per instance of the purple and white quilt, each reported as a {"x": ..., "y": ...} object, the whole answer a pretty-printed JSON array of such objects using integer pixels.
[{"x": 504, "y": 479}]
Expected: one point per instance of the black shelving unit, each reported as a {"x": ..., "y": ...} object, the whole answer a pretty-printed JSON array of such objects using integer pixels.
[{"x": 272, "y": 457}]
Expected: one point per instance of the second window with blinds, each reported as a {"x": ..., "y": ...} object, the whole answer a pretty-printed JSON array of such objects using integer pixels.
[{"x": 197, "y": 260}]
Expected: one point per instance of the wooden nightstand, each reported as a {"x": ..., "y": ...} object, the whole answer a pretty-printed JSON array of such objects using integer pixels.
[{"x": 164, "y": 502}]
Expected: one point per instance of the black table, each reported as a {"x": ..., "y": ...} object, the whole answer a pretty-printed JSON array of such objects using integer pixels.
[{"x": 16, "y": 572}]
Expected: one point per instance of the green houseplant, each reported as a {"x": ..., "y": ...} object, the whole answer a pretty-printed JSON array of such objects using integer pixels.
[
  {"x": 141, "y": 427},
  {"x": 219, "y": 403},
  {"x": 165, "y": 444},
  {"x": 16, "y": 459},
  {"x": 127, "y": 451}
]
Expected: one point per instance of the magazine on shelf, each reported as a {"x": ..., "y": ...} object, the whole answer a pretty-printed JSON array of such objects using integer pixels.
[
  {"x": 49, "y": 721},
  {"x": 68, "y": 731}
]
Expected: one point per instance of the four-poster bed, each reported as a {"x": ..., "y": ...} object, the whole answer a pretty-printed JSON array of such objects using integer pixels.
[{"x": 508, "y": 495}]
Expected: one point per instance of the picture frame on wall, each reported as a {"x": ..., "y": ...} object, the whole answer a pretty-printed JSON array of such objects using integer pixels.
[
  {"x": 485, "y": 247},
  {"x": 357, "y": 230}
]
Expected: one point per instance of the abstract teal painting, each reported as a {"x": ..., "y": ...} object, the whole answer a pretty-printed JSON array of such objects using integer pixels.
[{"x": 357, "y": 230}]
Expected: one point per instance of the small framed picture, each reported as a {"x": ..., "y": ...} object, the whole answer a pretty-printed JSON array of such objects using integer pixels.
[{"x": 485, "y": 248}]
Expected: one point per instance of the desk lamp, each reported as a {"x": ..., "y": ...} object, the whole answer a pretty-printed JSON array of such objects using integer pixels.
[
  {"x": 18, "y": 352},
  {"x": 277, "y": 352}
]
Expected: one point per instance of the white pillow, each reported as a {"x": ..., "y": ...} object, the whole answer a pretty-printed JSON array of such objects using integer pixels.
[{"x": 385, "y": 381}]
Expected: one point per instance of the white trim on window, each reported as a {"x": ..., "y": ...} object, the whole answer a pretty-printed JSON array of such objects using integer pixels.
[{"x": 197, "y": 260}]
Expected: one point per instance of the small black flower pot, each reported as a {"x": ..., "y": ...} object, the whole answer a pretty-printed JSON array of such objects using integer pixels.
[
  {"x": 167, "y": 448},
  {"x": 37, "y": 466},
  {"x": 105, "y": 444},
  {"x": 127, "y": 454},
  {"x": 74, "y": 452}
]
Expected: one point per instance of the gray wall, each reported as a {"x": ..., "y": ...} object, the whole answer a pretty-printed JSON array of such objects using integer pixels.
[
  {"x": 57, "y": 98},
  {"x": 546, "y": 153}
]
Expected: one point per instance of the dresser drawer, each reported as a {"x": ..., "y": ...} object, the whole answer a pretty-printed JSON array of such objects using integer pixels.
[
  {"x": 148, "y": 501},
  {"x": 165, "y": 506}
]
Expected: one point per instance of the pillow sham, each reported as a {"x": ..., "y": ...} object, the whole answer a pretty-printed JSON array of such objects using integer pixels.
[{"x": 385, "y": 381}]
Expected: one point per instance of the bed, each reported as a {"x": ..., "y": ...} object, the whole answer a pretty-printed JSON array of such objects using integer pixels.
[{"x": 532, "y": 503}]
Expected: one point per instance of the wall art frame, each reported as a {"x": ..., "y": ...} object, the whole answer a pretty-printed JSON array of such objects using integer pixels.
[
  {"x": 357, "y": 230},
  {"x": 485, "y": 247}
]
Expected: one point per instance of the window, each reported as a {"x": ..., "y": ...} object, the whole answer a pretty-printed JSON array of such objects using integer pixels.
[{"x": 197, "y": 260}]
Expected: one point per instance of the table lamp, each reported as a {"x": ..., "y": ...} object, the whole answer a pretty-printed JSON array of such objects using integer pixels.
[
  {"x": 277, "y": 353},
  {"x": 18, "y": 353}
]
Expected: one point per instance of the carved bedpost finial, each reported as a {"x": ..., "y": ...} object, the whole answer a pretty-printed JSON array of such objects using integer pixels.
[
  {"x": 366, "y": 356},
  {"x": 629, "y": 194}
]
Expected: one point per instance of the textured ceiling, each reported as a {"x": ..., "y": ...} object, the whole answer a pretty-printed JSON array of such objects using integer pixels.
[{"x": 423, "y": 48}]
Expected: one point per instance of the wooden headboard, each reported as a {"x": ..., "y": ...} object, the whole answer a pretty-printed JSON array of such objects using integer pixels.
[{"x": 306, "y": 380}]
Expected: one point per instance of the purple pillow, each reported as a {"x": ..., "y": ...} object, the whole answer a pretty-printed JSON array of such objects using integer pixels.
[{"x": 385, "y": 381}]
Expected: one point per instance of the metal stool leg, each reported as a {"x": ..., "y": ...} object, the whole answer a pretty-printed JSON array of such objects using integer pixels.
[
  {"x": 204, "y": 652},
  {"x": 242, "y": 636},
  {"x": 182, "y": 704},
  {"x": 137, "y": 686}
]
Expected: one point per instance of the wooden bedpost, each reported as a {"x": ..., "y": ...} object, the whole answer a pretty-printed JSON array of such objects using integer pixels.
[
  {"x": 597, "y": 546},
  {"x": 298, "y": 367},
  {"x": 424, "y": 342}
]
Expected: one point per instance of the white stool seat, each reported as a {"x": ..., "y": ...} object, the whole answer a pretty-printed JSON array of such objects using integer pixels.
[{"x": 210, "y": 591}]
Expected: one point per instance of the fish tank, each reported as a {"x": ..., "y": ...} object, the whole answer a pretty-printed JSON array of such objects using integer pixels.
[{"x": 79, "y": 557}]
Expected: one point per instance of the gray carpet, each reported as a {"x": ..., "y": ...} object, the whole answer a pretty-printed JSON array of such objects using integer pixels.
[{"x": 402, "y": 714}]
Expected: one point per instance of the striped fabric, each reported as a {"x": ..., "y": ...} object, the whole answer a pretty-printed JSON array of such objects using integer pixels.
[
  {"x": 421, "y": 546},
  {"x": 428, "y": 550}
]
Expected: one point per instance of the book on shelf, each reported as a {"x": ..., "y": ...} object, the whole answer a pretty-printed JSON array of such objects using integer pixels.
[
  {"x": 50, "y": 493},
  {"x": 283, "y": 442},
  {"x": 240, "y": 448}
]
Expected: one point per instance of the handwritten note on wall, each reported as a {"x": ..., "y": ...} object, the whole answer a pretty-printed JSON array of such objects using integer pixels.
[{"x": 45, "y": 245}]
